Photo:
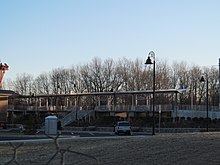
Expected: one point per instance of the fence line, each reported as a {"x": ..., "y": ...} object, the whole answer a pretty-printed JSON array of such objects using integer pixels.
[
  {"x": 62, "y": 151},
  {"x": 15, "y": 149}
]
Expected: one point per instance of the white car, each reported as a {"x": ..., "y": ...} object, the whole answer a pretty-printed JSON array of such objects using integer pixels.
[{"x": 123, "y": 127}]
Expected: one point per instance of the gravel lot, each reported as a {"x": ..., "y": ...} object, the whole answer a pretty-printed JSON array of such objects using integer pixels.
[{"x": 180, "y": 148}]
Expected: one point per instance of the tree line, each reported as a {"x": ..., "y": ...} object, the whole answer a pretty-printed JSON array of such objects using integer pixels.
[{"x": 121, "y": 75}]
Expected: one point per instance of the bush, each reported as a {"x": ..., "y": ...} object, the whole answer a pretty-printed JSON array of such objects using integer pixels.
[
  {"x": 189, "y": 119},
  {"x": 182, "y": 118}
]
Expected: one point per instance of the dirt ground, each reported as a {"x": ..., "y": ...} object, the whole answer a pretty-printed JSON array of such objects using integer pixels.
[{"x": 162, "y": 149}]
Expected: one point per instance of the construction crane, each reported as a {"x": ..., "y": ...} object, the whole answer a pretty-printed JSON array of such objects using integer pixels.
[{"x": 3, "y": 68}]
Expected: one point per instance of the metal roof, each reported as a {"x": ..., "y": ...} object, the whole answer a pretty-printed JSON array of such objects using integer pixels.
[
  {"x": 7, "y": 92},
  {"x": 109, "y": 93}
]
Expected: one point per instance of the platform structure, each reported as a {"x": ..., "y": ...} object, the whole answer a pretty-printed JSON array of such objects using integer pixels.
[{"x": 122, "y": 103}]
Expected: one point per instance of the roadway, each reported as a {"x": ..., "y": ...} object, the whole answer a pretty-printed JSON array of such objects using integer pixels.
[{"x": 14, "y": 135}]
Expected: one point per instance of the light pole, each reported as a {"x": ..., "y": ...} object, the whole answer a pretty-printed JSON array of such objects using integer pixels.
[
  {"x": 149, "y": 61},
  {"x": 207, "y": 101}
]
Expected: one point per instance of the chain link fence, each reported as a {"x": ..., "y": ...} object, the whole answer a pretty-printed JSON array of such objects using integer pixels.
[{"x": 60, "y": 154}]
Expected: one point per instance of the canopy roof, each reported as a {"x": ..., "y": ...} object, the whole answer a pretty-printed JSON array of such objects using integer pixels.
[{"x": 110, "y": 93}]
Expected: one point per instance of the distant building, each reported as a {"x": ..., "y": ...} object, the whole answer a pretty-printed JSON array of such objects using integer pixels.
[{"x": 4, "y": 99}]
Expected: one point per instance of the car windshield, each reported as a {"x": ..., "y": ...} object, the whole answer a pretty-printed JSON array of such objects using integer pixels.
[{"x": 123, "y": 124}]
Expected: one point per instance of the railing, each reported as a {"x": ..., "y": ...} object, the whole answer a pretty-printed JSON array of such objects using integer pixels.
[
  {"x": 74, "y": 115},
  {"x": 198, "y": 108},
  {"x": 158, "y": 107},
  {"x": 177, "y": 110},
  {"x": 83, "y": 113},
  {"x": 70, "y": 117}
]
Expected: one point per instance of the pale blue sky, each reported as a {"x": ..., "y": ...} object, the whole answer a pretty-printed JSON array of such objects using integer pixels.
[{"x": 38, "y": 36}]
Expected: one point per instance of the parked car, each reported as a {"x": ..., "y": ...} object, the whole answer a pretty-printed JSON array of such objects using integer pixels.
[{"x": 123, "y": 127}]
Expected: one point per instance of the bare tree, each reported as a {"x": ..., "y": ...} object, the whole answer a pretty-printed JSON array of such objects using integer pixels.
[
  {"x": 42, "y": 84},
  {"x": 214, "y": 83},
  {"x": 110, "y": 75},
  {"x": 75, "y": 80},
  {"x": 123, "y": 70},
  {"x": 97, "y": 75},
  {"x": 55, "y": 76},
  {"x": 163, "y": 75},
  {"x": 210, "y": 74},
  {"x": 8, "y": 84},
  {"x": 122, "y": 75},
  {"x": 181, "y": 79},
  {"x": 86, "y": 79},
  {"x": 195, "y": 75},
  {"x": 24, "y": 84},
  {"x": 64, "y": 79},
  {"x": 136, "y": 76}
]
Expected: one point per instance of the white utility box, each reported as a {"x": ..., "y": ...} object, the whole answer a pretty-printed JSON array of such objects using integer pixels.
[{"x": 51, "y": 125}]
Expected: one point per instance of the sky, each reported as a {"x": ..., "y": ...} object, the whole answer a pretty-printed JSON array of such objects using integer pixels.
[{"x": 39, "y": 36}]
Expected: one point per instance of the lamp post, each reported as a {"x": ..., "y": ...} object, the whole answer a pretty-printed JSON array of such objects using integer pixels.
[
  {"x": 149, "y": 61},
  {"x": 207, "y": 100}
]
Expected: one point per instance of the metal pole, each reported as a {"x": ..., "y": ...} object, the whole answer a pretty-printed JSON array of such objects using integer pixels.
[
  {"x": 153, "y": 129},
  {"x": 219, "y": 85},
  {"x": 207, "y": 104},
  {"x": 159, "y": 117},
  {"x": 149, "y": 61}
]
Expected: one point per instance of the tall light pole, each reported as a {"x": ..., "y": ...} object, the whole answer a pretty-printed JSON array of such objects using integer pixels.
[
  {"x": 219, "y": 84},
  {"x": 149, "y": 61},
  {"x": 207, "y": 101}
]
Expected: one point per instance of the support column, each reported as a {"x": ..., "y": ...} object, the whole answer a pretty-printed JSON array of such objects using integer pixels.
[
  {"x": 133, "y": 102},
  {"x": 114, "y": 101},
  {"x": 46, "y": 103}
]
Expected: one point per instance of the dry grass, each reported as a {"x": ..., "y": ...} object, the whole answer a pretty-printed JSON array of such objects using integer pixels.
[{"x": 184, "y": 148}]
